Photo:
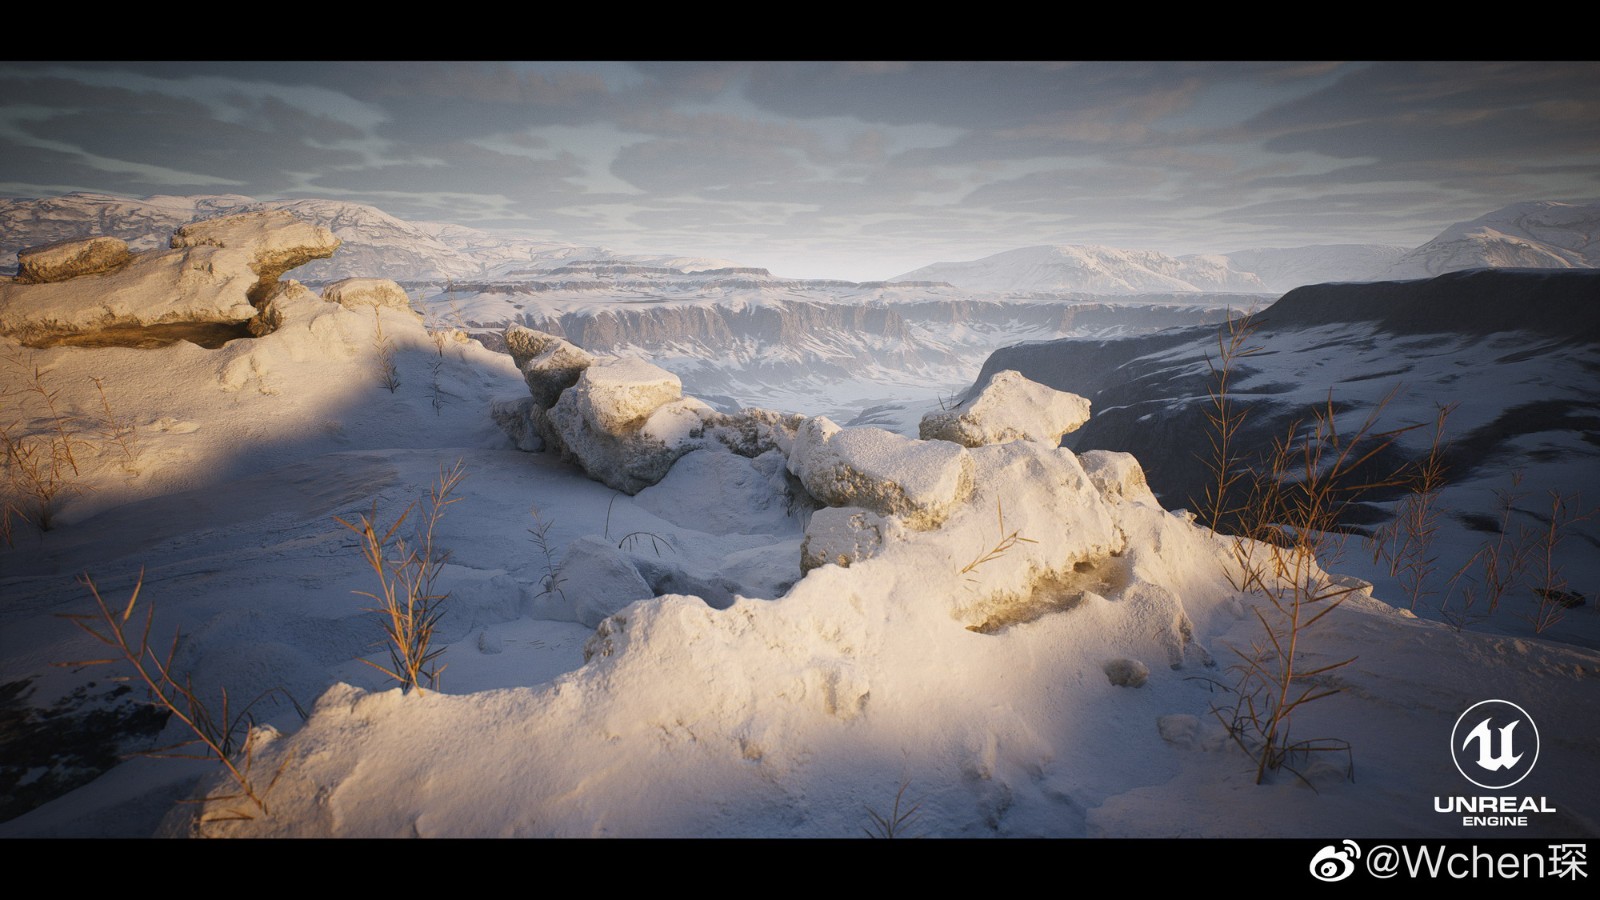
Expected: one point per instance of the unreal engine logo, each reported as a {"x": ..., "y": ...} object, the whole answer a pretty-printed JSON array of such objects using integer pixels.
[{"x": 1495, "y": 744}]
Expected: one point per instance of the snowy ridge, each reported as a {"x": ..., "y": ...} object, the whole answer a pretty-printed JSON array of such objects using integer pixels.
[
  {"x": 1089, "y": 268},
  {"x": 1540, "y": 234}
]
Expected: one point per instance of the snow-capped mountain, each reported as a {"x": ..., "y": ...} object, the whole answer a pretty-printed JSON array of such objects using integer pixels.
[
  {"x": 1542, "y": 234},
  {"x": 1089, "y": 268}
]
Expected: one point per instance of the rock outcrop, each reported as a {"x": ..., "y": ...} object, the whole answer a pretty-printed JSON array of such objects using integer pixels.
[
  {"x": 623, "y": 420},
  {"x": 359, "y": 293},
  {"x": 1008, "y": 408},
  {"x": 65, "y": 260},
  {"x": 918, "y": 481},
  {"x": 219, "y": 274}
]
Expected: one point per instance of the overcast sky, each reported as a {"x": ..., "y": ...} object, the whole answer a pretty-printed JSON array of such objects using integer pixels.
[{"x": 849, "y": 170}]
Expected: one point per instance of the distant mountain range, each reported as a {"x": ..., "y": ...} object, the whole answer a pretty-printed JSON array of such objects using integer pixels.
[{"x": 1538, "y": 234}]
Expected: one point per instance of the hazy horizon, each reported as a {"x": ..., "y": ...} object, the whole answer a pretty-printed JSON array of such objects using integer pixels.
[{"x": 832, "y": 170}]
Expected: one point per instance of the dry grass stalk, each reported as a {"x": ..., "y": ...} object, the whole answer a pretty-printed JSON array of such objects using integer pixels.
[
  {"x": 896, "y": 822},
  {"x": 1225, "y": 417},
  {"x": 1407, "y": 542},
  {"x": 216, "y": 731},
  {"x": 388, "y": 372},
  {"x": 541, "y": 540},
  {"x": 114, "y": 429},
  {"x": 1551, "y": 588},
  {"x": 1294, "y": 508},
  {"x": 407, "y": 569},
  {"x": 40, "y": 464},
  {"x": 1007, "y": 541}
]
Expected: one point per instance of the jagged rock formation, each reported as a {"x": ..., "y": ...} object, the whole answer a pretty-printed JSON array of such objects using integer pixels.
[
  {"x": 1008, "y": 407},
  {"x": 623, "y": 420},
  {"x": 218, "y": 276}
]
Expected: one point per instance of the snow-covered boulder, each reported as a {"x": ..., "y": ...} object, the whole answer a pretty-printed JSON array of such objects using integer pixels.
[
  {"x": 716, "y": 492},
  {"x": 357, "y": 293},
  {"x": 1118, "y": 477},
  {"x": 919, "y": 481},
  {"x": 597, "y": 580},
  {"x": 841, "y": 535},
  {"x": 548, "y": 364},
  {"x": 622, "y": 393},
  {"x": 1008, "y": 408},
  {"x": 218, "y": 272},
  {"x": 626, "y": 422},
  {"x": 70, "y": 259},
  {"x": 519, "y": 418}
]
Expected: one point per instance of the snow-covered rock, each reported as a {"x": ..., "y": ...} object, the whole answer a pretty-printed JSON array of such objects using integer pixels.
[
  {"x": 356, "y": 293},
  {"x": 841, "y": 535},
  {"x": 712, "y": 491},
  {"x": 1008, "y": 408},
  {"x": 598, "y": 581},
  {"x": 519, "y": 418},
  {"x": 919, "y": 481},
  {"x": 626, "y": 422},
  {"x": 549, "y": 364},
  {"x": 216, "y": 272},
  {"x": 273, "y": 242},
  {"x": 1118, "y": 477},
  {"x": 620, "y": 394},
  {"x": 71, "y": 259}
]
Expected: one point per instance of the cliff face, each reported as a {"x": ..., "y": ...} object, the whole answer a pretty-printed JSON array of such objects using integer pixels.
[{"x": 1514, "y": 352}]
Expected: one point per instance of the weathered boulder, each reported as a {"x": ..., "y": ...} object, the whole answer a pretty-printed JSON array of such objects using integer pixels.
[
  {"x": 626, "y": 422},
  {"x": 548, "y": 364},
  {"x": 64, "y": 260},
  {"x": 621, "y": 393},
  {"x": 519, "y": 418},
  {"x": 1118, "y": 477},
  {"x": 219, "y": 272},
  {"x": 1008, "y": 408},
  {"x": 918, "y": 481},
  {"x": 841, "y": 535},
  {"x": 358, "y": 293}
]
